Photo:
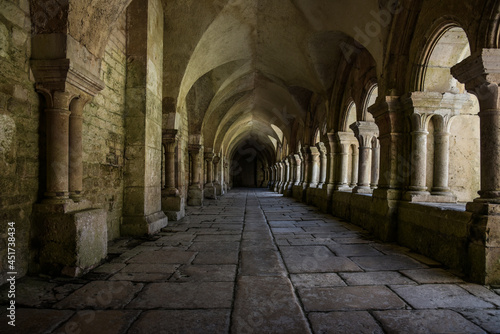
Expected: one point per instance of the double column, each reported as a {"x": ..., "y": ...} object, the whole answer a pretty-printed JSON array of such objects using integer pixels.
[
  {"x": 170, "y": 144},
  {"x": 365, "y": 132},
  {"x": 345, "y": 141},
  {"x": 195, "y": 194}
]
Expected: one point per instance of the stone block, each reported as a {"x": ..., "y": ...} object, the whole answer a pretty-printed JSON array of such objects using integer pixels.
[
  {"x": 195, "y": 196},
  {"x": 173, "y": 207},
  {"x": 69, "y": 242},
  {"x": 143, "y": 225}
]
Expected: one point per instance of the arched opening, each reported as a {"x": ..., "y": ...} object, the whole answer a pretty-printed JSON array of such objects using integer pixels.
[{"x": 453, "y": 163}]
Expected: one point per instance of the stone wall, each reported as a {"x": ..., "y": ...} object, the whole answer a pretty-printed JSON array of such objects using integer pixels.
[
  {"x": 19, "y": 131},
  {"x": 104, "y": 134}
]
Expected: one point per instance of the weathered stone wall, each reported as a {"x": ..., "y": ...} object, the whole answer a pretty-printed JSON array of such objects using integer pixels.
[
  {"x": 104, "y": 134},
  {"x": 19, "y": 131}
]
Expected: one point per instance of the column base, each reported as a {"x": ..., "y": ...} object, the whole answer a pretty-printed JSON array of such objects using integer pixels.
[
  {"x": 219, "y": 191},
  {"x": 173, "y": 207},
  {"x": 362, "y": 190},
  {"x": 209, "y": 191},
  {"x": 195, "y": 196},
  {"x": 143, "y": 225},
  {"x": 69, "y": 238},
  {"x": 484, "y": 243},
  {"x": 343, "y": 188}
]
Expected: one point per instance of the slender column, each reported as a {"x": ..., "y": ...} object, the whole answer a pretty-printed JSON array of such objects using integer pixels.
[
  {"x": 170, "y": 142},
  {"x": 194, "y": 151},
  {"x": 323, "y": 164},
  {"x": 298, "y": 170},
  {"x": 306, "y": 160},
  {"x": 209, "y": 157},
  {"x": 345, "y": 140},
  {"x": 216, "y": 162},
  {"x": 314, "y": 161},
  {"x": 57, "y": 119},
  {"x": 331, "y": 159},
  {"x": 76, "y": 149},
  {"x": 375, "y": 163},
  {"x": 226, "y": 175},
  {"x": 419, "y": 161},
  {"x": 441, "y": 163},
  {"x": 354, "y": 169},
  {"x": 365, "y": 132}
]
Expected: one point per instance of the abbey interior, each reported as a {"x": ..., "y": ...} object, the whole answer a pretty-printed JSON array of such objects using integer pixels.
[{"x": 125, "y": 119}]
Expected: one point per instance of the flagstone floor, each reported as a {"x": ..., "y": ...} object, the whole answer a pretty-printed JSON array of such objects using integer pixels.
[{"x": 256, "y": 262}]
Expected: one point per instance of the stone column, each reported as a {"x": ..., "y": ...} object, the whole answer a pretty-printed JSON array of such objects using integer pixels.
[
  {"x": 57, "y": 125},
  {"x": 354, "y": 168},
  {"x": 481, "y": 74},
  {"x": 171, "y": 202},
  {"x": 375, "y": 163},
  {"x": 365, "y": 132},
  {"x": 226, "y": 176},
  {"x": 195, "y": 194},
  {"x": 298, "y": 169},
  {"x": 217, "y": 184},
  {"x": 170, "y": 143},
  {"x": 209, "y": 186},
  {"x": 418, "y": 154},
  {"x": 441, "y": 164},
  {"x": 76, "y": 149},
  {"x": 323, "y": 164},
  {"x": 344, "y": 140},
  {"x": 313, "y": 163},
  {"x": 331, "y": 160},
  {"x": 288, "y": 177}
]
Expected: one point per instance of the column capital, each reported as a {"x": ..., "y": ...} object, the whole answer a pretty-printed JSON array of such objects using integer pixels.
[
  {"x": 364, "y": 132},
  {"x": 194, "y": 148},
  {"x": 170, "y": 135},
  {"x": 217, "y": 159},
  {"x": 480, "y": 68},
  {"x": 208, "y": 156}
]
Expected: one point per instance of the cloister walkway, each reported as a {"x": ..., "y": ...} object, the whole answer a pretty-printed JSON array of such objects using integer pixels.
[{"x": 256, "y": 262}]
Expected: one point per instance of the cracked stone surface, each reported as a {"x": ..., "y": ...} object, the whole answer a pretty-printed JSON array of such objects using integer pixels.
[{"x": 256, "y": 262}]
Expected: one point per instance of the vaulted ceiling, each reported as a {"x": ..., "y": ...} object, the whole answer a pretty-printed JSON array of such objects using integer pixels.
[{"x": 237, "y": 66}]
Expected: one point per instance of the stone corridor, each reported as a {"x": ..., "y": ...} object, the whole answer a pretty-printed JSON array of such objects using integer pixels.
[{"x": 256, "y": 262}]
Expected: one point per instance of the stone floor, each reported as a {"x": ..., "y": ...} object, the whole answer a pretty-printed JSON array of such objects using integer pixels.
[{"x": 255, "y": 262}]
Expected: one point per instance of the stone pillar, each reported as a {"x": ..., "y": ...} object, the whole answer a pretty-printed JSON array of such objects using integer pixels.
[
  {"x": 375, "y": 163},
  {"x": 57, "y": 119},
  {"x": 195, "y": 193},
  {"x": 365, "y": 132},
  {"x": 76, "y": 149},
  {"x": 345, "y": 140},
  {"x": 418, "y": 155},
  {"x": 287, "y": 189},
  {"x": 218, "y": 188},
  {"x": 441, "y": 164},
  {"x": 298, "y": 169},
  {"x": 226, "y": 176},
  {"x": 209, "y": 190},
  {"x": 481, "y": 74},
  {"x": 314, "y": 165},
  {"x": 171, "y": 202},
  {"x": 323, "y": 164},
  {"x": 354, "y": 168}
]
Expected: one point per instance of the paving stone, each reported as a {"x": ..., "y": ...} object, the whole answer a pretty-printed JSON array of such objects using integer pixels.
[
  {"x": 204, "y": 273},
  {"x": 99, "y": 322},
  {"x": 344, "y": 323},
  {"x": 197, "y": 295},
  {"x": 216, "y": 238},
  {"x": 267, "y": 305},
  {"x": 30, "y": 292},
  {"x": 34, "y": 321},
  {"x": 487, "y": 319},
  {"x": 62, "y": 291},
  {"x": 375, "y": 278},
  {"x": 101, "y": 295},
  {"x": 261, "y": 262},
  {"x": 109, "y": 268},
  {"x": 430, "y": 296},
  {"x": 204, "y": 246},
  {"x": 164, "y": 256},
  {"x": 434, "y": 275},
  {"x": 350, "y": 298},
  {"x": 140, "y": 277},
  {"x": 182, "y": 321},
  {"x": 482, "y": 292},
  {"x": 310, "y": 241},
  {"x": 316, "y": 280},
  {"x": 309, "y": 259},
  {"x": 217, "y": 257},
  {"x": 425, "y": 321},
  {"x": 348, "y": 239},
  {"x": 279, "y": 230},
  {"x": 354, "y": 250},
  {"x": 387, "y": 262},
  {"x": 324, "y": 229},
  {"x": 150, "y": 268}
]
